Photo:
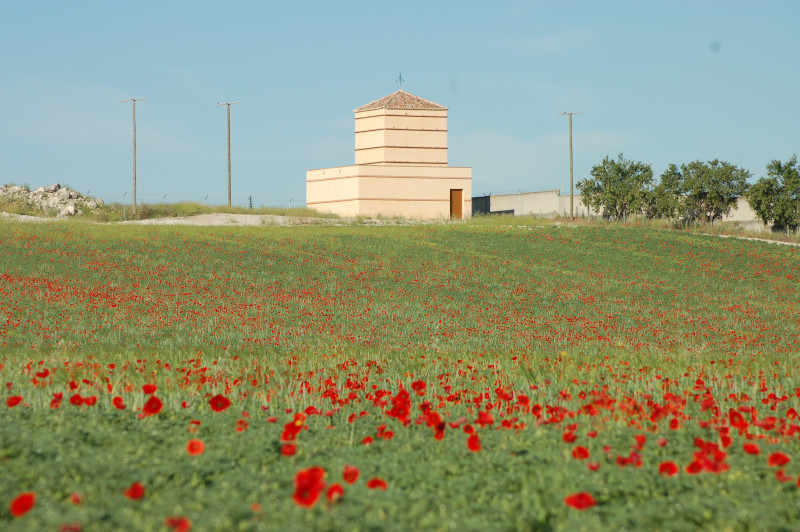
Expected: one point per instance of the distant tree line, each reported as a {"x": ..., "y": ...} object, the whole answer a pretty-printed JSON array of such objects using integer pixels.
[{"x": 694, "y": 193}]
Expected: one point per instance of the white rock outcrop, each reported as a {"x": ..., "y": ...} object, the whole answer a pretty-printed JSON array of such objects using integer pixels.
[{"x": 56, "y": 199}]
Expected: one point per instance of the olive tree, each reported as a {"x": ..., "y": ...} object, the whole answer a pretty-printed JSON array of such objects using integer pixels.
[
  {"x": 776, "y": 198},
  {"x": 702, "y": 191},
  {"x": 617, "y": 188}
]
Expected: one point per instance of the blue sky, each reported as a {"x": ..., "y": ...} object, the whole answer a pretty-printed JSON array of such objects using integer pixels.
[{"x": 661, "y": 82}]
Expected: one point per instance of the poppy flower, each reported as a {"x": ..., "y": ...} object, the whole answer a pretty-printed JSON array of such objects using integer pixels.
[
  {"x": 13, "y": 401},
  {"x": 474, "y": 443},
  {"x": 350, "y": 474},
  {"x": 752, "y": 448},
  {"x": 777, "y": 459},
  {"x": 22, "y": 504},
  {"x": 377, "y": 484},
  {"x": 178, "y": 524},
  {"x": 136, "y": 491},
  {"x": 118, "y": 403},
  {"x": 782, "y": 476},
  {"x": 76, "y": 498},
  {"x": 335, "y": 492},
  {"x": 90, "y": 401},
  {"x": 568, "y": 437},
  {"x": 668, "y": 469},
  {"x": 195, "y": 447},
  {"x": 593, "y": 466},
  {"x": 580, "y": 453},
  {"x": 367, "y": 440},
  {"x": 55, "y": 402},
  {"x": 219, "y": 403},
  {"x": 152, "y": 407},
  {"x": 484, "y": 419},
  {"x": 580, "y": 501},
  {"x": 76, "y": 400},
  {"x": 308, "y": 484},
  {"x": 288, "y": 449},
  {"x": 149, "y": 388}
]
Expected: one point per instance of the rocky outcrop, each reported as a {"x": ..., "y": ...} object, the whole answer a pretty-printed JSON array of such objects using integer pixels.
[{"x": 53, "y": 199}]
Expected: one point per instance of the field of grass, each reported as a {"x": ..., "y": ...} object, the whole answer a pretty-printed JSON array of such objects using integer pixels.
[{"x": 490, "y": 375}]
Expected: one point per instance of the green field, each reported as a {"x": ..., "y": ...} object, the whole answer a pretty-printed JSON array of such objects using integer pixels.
[{"x": 582, "y": 358}]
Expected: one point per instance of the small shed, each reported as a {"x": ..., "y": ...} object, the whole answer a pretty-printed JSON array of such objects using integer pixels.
[{"x": 400, "y": 165}]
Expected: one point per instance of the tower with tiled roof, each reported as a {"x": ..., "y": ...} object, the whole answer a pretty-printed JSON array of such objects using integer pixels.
[
  {"x": 401, "y": 129},
  {"x": 400, "y": 165}
]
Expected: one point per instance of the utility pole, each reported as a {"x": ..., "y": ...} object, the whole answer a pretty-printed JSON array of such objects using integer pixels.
[
  {"x": 134, "y": 100},
  {"x": 571, "y": 211},
  {"x": 228, "y": 104}
]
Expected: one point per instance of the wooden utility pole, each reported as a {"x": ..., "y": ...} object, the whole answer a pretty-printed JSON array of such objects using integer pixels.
[
  {"x": 228, "y": 104},
  {"x": 134, "y": 100},
  {"x": 571, "y": 211}
]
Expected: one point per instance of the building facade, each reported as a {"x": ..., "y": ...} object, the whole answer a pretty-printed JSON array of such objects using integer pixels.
[{"x": 400, "y": 166}]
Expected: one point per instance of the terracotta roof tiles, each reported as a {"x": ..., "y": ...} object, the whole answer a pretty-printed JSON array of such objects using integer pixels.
[{"x": 402, "y": 100}]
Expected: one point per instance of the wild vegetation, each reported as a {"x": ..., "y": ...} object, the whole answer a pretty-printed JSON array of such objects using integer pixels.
[
  {"x": 694, "y": 193},
  {"x": 504, "y": 373}
]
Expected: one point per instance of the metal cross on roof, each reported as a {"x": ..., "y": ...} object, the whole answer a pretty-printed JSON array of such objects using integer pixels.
[{"x": 400, "y": 80}]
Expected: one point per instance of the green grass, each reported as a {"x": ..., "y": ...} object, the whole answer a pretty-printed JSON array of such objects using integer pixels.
[{"x": 607, "y": 317}]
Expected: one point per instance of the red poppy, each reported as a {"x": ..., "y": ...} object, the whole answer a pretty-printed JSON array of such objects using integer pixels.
[
  {"x": 484, "y": 419},
  {"x": 178, "y": 524},
  {"x": 70, "y": 527},
  {"x": 668, "y": 469},
  {"x": 580, "y": 501},
  {"x": 136, "y": 491},
  {"x": 195, "y": 447},
  {"x": 152, "y": 406},
  {"x": 76, "y": 400},
  {"x": 778, "y": 459},
  {"x": 308, "y": 484},
  {"x": 118, "y": 404},
  {"x": 367, "y": 440},
  {"x": 335, "y": 492},
  {"x": 22, "y": 503},
  {"x": 350, "y": 474},
  {"x": 76, "y": 498},
  {"x": 419, "y": 387},
  {"x": 568, "y": 437},
  {"x": 474, "y": 443},
  {"x": 90, "y": 401},
  {"x": 56, "y": 401},
  {"x": 377, "y": 484},
  {"x": 593, "y": 466},
  {"x": 782, "y": 477},
  {"x": 752, "y": 448},
  {"x": 13, "y": 401},
  {"x": 288, "y": 449},
  {"x": 149, "y": 388},
  {"x": 219, "y": 403},
  {"x": 241, "y": 425},
  {"x": 580, "y": 453}
]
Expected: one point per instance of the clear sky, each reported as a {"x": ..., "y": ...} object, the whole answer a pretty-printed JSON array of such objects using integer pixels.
[{"x": 659, "y": 81}]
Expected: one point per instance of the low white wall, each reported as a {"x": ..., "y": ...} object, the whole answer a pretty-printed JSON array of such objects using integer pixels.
[{"x": 552, "y": 203}]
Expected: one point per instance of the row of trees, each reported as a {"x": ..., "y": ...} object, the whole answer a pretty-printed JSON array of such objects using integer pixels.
[{"x": 697, "y": 192}]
